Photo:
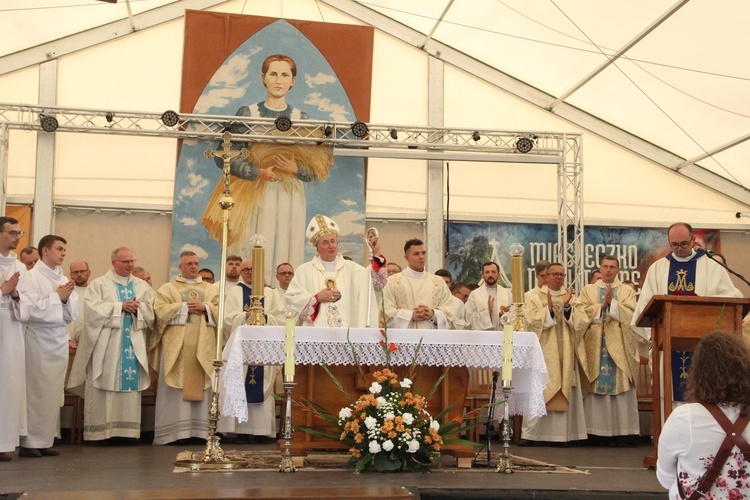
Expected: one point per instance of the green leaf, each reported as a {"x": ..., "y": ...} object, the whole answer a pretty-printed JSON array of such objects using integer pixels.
[
  {"x": 363, "y": 463},
  {"x": 383, "y": 463},
  {"x": 336, "y": 380},
  {"x": 326, "y": 435}
]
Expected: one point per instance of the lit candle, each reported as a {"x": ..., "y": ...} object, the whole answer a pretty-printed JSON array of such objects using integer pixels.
[
  {"x": 258, "y": 267},
  {"x": 289, "y": 348},
  {"x": 516, "y": 280},
  {"x": 507, "y": 352}
]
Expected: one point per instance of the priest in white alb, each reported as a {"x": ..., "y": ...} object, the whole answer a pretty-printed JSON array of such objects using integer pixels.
[
  {"x": 488, "y": 302},
  {"x": 417, "y": 299}
]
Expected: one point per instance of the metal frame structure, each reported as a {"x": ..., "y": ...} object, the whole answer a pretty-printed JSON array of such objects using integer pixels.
[{"x": 379, "y": 141}]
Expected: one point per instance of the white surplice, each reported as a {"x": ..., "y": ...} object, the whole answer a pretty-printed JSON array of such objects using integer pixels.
[
  {"x": 409, "y": 289},
  {"x": 478, "y": 315}
]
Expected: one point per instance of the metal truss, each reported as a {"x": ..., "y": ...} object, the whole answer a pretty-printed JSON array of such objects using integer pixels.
[{"x": 347, "y": 139}]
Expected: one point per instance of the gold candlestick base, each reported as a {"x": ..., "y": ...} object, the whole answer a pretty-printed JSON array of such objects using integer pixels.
[
  {"x": 520, "y": 319},
  {"x": 287, "y": 462},
  {"x": 256, "y": 317},
  {"x": 506, "y": 461},
  {"x": 213, "y": 455}
]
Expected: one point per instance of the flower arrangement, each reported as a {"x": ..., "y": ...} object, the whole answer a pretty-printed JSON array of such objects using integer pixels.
[{"x": 389, "y": 427}]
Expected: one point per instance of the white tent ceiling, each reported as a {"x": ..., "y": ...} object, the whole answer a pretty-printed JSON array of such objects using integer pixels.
[{"x": 668, "y": 80}]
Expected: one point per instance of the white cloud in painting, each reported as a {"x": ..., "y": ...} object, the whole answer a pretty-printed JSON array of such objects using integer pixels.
[
  {"x": 349, "y": 203},
  {"x": 227, "y": 83},
  {"x": 319, "y": 79},
  {"x": 197, "y": 183},
  {"x": 188, "y": 221},
  {"x": 350, "y": 222},
  {"x": 218, "y": 98},
  {"x": 337, "y": 111},
  {"x": 202, "y": 254}
]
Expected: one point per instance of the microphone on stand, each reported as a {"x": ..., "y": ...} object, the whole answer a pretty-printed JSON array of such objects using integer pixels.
[{"x": 495, "y": 376}]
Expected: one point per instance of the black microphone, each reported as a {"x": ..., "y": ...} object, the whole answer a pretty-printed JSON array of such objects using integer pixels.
[
  {"x": 495, "y": 375},
  {"x": 703, "y": 250}
]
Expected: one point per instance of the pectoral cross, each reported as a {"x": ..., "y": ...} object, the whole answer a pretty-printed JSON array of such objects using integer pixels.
[{"x": 226, "y": 154}]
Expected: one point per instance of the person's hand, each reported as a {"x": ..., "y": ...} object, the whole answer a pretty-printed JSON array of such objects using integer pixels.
[
  {"x": 568, "y": 296},
  {"x": 549, "y": 299},
  {"x": 65, "y": 290},
  {"x": 422, "y": 313},
  {"x": 130, "y": 306},
  {"x": 288, "y": 164},
  {"x": 607, "y": 299},
  {"x": 328, "y": 295},
  {"x": 491, "y": 305},
  {"x": 196, "y": 307},
  {"x": 9, "y": 285},
  {"x": 268, "y": 174}
]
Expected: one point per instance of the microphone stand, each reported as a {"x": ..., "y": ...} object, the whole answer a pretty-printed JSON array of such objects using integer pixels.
[
  {"x": 489, "y": 425},
  {"x": 712, "y": 255}
]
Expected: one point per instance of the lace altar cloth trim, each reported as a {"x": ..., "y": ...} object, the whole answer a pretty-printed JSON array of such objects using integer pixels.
[{"x": 316, "y": 346}]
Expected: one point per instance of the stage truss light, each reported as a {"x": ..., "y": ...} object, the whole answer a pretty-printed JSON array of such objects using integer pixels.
[
  {"x": 328, "y": 131},
  {"x": 524, "y": 144},
  {"x": 48, "y": 122},
  {"x": 283, "y": 123},
  {"x": 394, "y": 134},
  {"x": 109, "y": 117},
  {"x": 476, "y": 136},
  {"x": 359, "y": 129},
  {"x": 170, "y": 118}
]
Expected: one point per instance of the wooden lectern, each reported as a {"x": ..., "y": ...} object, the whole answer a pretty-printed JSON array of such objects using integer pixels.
[{"x": 677, "y": 324}]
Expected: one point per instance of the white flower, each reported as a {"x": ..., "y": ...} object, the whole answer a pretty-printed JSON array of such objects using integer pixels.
[
  {"x": 408, "y": 418},
  {"x": 381, "y": 401},
  {"x": 345, "y": 412},
  {"x": 388, "y": 445},
  {"x": 406, "y": 383},
  {"x": 435, "y": 425},
  {"x": 375, "y": 388},
  {"x": 389, "y": 415},
  {"x": 413, "y": 446},
  {"x": 371, "y": 423},
  {"x": 375, "y": 447}
]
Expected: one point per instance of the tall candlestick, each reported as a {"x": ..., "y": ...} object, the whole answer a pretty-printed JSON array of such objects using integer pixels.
[
  {"x": 258, "y": 267},
  {"x": 289, "y": 349},
  {"x": 516, "y": 272}
]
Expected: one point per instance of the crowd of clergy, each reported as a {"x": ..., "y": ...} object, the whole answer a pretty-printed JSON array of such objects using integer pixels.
[{"x": 129, "y": 338}]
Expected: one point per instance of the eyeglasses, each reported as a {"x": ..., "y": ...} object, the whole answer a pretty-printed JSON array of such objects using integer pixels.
[
  {"x": 133, "y": 261},
  {"x": 246, "y": 269},
  {"x": 682, "y": 244},
  {"x": 542, "y": 275},
  {"x": 286, "y": 273},
  {"x": 556, "y": 275},
  {"x": 15, "y": 234}
]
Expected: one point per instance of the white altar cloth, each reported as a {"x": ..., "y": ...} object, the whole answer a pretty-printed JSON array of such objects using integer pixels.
[{"x": 264, "y": 345}]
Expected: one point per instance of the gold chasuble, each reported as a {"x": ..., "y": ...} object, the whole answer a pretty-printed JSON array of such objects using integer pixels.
[
  {"x": 611, "y": 349},
  {"x": 188, "y": 348},
  {"x": 560, "y": 345}
]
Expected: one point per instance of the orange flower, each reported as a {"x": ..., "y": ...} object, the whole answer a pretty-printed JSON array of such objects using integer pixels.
[
  {"x": 391, "y": 435},
  {"x": 382, "y": 332},
  {"x": 428, "y": 440},
  {"x": 355, "y": 452},
  {"x": 358, "y": 438}
]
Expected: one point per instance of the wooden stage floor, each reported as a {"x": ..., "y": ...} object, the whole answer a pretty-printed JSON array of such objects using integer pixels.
[{"x": 146, "y": 471}]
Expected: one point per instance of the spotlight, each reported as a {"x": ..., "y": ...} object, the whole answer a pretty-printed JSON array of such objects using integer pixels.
[
  {"x": 476, "y": 136},
  {"x": 328, "y": 131},
  {"x": 524, "y": 145},
  {"x": 109, "y": 116},
  {"x": 283, "y": 123},
  {"x": 48, "y": 122},
  {"x": 359, "y": 129},
  {"x": 394, "y": 134},
  {"x": 170, "y": 118}
]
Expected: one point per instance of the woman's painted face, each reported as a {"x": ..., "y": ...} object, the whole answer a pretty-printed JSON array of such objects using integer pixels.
[{"x": 278, "y": 79}]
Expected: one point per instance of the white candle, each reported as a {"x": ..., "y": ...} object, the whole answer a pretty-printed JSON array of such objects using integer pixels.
[
  {"x": 507, "y": 353},
  {"x": 289, "y": 349}
]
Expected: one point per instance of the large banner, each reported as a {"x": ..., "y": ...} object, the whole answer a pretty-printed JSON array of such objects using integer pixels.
[
  {"x": 471, "y": 244},
  {"x": 265, "y": 68}
]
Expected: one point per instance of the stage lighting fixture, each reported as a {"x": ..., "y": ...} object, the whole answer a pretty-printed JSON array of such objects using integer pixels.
[
  {"x": 359, "y": 129},
  {"x": 48, "y": 122},
  {"x": 109, "y": 116},
  {"x": 328, "y": 131},
  {"x": 524, "y": 145},
  {"x": 394, "y": 134},
  {"x": 476, "y": 136},
  {"x": 283, "y": 123},
  {"x": 170, "y": 118}
]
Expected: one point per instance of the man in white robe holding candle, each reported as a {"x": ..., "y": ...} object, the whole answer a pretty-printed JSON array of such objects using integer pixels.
[
  {"x": 259, "y": 380},
  {"x": 549, "y": 314},
  {"x": 602, "y": 314},
  {"x": 330, "y": 291},
  {"x": 488, "y": 302},
  {"x": 55, "y": 306},
  {"x": 15, "y": 307}
]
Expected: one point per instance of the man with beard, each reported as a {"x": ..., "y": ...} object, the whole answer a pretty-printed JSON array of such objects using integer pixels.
[
  {"x": 79, "y": 274},
  {"x": 232, "y": 272},
  {"x": 488, "y": 302}
]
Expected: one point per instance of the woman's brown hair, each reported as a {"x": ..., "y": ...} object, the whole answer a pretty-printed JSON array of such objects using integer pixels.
[{"x": 720, "y": 371}]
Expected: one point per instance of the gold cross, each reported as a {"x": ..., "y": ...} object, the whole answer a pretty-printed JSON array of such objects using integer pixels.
[{"x": 226, "y": 154}]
